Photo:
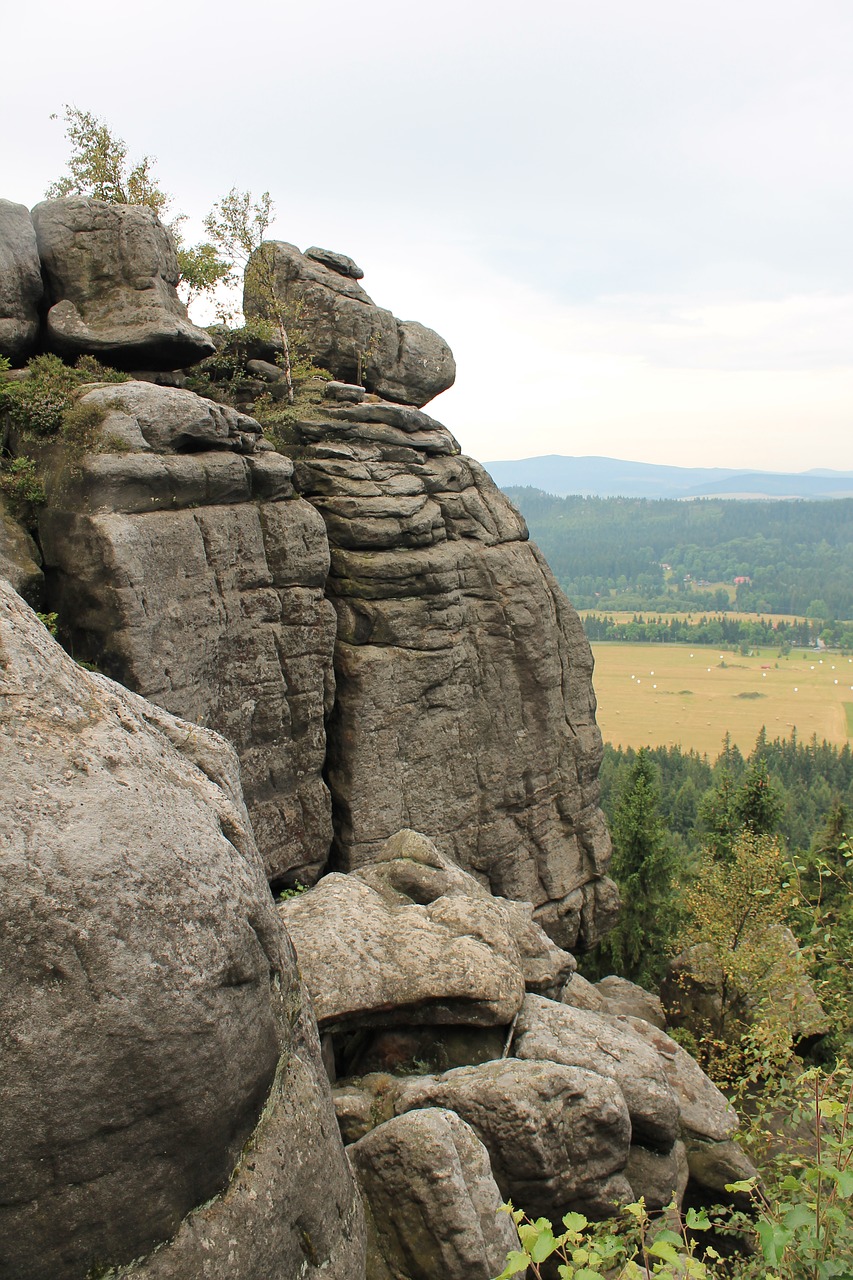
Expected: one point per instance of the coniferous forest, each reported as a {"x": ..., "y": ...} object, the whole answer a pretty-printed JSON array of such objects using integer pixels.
[{"x": 792, "y": 557}]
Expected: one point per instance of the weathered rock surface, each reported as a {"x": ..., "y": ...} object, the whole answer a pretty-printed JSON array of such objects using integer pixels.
[
  {"x": 704, "y": 1112},
  {"x": 657, "y": 1176},
  {"x": 111, "y": 274},
  {"x": 582, "y": 994},
  {"x": 622, "y": 996},
  {"x": 21, "y": 286},
  {"x": 464, "y": 705},
  {"x": 366, "y": 963},
  {"x": 409, "y": 868},
  {"x": 186, "y": 567},
  {"x": 555, "y": 1032},
  {"x": 431, "y": 1199},
  {"x": 290, "y": 1208},
  {"x": 347, "y": 333},
  {"x": 557, "y": 1136},
  {"x": 714, "y": 1164},
  {"x": 20, "y": 561},
  {"x": 147, "y": 988},
  {"x": 140, "y": 416}
]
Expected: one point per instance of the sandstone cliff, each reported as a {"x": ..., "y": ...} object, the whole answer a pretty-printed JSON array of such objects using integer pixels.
[
  {"x": 408, "y": 661},
  {"x": 360, "y": 614}
]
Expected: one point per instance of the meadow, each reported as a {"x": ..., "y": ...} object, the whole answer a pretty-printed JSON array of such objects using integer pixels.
[{"x": 670, "y": 694}]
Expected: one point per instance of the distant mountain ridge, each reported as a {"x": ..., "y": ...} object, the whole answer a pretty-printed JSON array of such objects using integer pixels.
[{"x": 593, "y": 476}]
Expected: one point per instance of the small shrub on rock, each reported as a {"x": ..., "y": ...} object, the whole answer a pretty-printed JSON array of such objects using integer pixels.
[
  {"x": 38, "y": 404},
  {"x": 21, "y": 485}
]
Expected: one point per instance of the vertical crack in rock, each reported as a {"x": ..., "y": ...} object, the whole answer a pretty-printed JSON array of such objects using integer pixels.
[{"x": 464, "y": 706}]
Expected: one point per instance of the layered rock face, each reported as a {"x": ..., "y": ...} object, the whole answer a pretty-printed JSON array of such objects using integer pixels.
[
  {"x": 464, "y": 705},
  {"x": 562, "y": 1108},
  {"x": 151, "y": 1028},
  {"x": 111, "y": 275},
  {"x": 21, "y": 285},
  {"x": 361, "y": 608},
  {"x": 186, "y": 566},
  {"x": 342, "y": 327}
]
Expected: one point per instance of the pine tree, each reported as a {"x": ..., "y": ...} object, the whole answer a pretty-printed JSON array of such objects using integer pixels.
[{"x": 643, "y": 866}]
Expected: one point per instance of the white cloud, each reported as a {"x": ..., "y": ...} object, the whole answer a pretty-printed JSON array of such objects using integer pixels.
[{"x": 631, "y": 221}]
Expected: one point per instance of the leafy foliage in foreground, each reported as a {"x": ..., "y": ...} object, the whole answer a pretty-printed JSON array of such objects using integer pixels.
[
  {"x": 628, "y": 1248},
  {"x": 799, "y": 1226}
]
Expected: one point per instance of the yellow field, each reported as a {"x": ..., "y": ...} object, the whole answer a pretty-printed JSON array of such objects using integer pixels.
[{"x": 666, "y": 694}]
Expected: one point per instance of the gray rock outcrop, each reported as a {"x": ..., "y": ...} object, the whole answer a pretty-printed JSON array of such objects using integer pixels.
[
  {"x": 557, "y": 1033},
  {"x": 622, "y": 996},
  {"x": 148, "y": 996},
  {"x": 344, "y": 330},
  {"x": 20, "y": 561},
  {"x": 112, "y": 276},
  {"x": 185, "y": 566},
  {"x": 572, "y": 1157},
  {"x": 409, "y": 868},
  {"x": 464, "y": 706},
  {"x": 703, "y": 1111},
  {"x": 432, "y": 1202},
  {"x": 367, "y": 963},
  {"x": 21, "y": 285}
]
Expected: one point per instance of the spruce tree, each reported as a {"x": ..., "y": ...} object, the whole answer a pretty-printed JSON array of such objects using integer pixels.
[{"x": 643, "y": 866}]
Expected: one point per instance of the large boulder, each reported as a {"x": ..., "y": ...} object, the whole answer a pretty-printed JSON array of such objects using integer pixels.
[
  {"x": 464, "y": 705},
  {"x": 368, "y": 963},
  {"x": 621, "y": 996},
  {"x": 703, "y": 1111},
  {"x": 579, "y": 1038},
  {"x": 183, "y": 564},
  {"x": 112, "y": 275},
  {"x": 342, "y": 328},
  {"x": 148, "y": 992},
  {"x": 432, "y": 1202},
  {"x": 558, "y": 1137},
  {"x": 21, "y": 286},
  {"x": 290, "y": 1207},
  {"x": 409, "y": 868}
]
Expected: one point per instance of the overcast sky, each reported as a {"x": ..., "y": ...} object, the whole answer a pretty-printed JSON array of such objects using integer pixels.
[{"x": 631, "y": 221}]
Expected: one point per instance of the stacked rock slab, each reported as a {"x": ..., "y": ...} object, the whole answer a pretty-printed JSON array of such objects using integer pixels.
[
  {"x": 112, "y": 273},
  {"x": 464, "y": 704},
  {"x": 164, "y": 1098},
  {"x": 186, "y": 567},
  {"x": 342, "y": 328}
]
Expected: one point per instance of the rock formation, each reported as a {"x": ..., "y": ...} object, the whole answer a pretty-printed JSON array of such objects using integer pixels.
[
  {"x": 153, "y": 1059},
  {"x": 361, "y": 616},
  {"x": 431, "y": 1199},
  {"x": 182, "y": 560},
  {"x": 20, "y": 559},
  {"x": 343, "y": 329},
  {"x": 186, "y": 566},
  {"x": 112, "y": 274},
  {"x": 464, "y": 706},
  {"x": 21, "y": 285}
]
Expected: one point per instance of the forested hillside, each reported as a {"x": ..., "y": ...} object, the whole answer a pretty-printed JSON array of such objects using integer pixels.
[
  {"x": 809, "y": 781},
  {"x": 794, "y": 557}
]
